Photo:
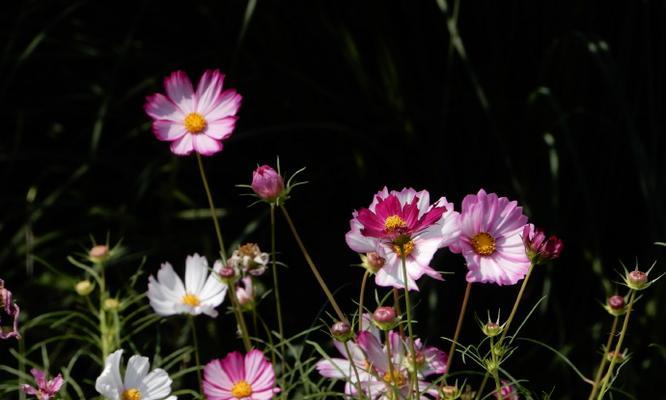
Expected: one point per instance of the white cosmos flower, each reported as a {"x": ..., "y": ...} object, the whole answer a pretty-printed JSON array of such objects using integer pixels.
[
  {"x": 200, "y": 293},
  {"x": 138, "y": 383}
]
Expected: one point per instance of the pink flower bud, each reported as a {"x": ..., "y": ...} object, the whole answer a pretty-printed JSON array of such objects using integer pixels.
[
  {"x": 8, "y": 307},
  {"x": 227, "y": 274},
  {"x": 539, "y": 248},
  {"x": 341, "y": 331},
  {"x": 99, "y": 253},
  {"x": 616, "y": 302},
  {"x": 373, "y": 262},
  {"x": 267, "y": 183},
  {"x": 638, "y": 278},
  {"x": 385, "y": 318}
]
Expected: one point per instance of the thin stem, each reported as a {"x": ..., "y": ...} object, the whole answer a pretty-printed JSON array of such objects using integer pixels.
[
  {"x": 482, "y": 386},
  {"x": 618, "y": 346},
  {"x": 408, "y": 306},
  {"x": 392, "y": 375},
  {"x": 498, "y": 383},
  {"x": 312, "y": 266},
  {"x": 283, "y": 393},
  {"x": 360, "y": 300},
  {"x": 239, "y": 317},
  {"x": 103, "y": 329},
  {"x": 276, "y": 287},
  {"x": 353, "y": 365},
  {"x": 213, "y": 213},
  {"x": 196, "y": 350},
  {"x": 398, "y": 309},
  {"x": 456, "y": 334},
  {"x": 604, "y": 358}
]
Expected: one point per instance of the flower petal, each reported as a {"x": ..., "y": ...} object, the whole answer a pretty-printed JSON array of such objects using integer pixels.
[
  {"x": 159, "y": 106},
  {"x": 227, "y": 104},
  {"x": 168, "y": 131},
  {"x": 182, "y": 146},
  {"x": 209, "y": 89},
  {"x": 206, "y": 145},
  {"x": 179, "y": 89},
  {"x": 221, "y": 128}
]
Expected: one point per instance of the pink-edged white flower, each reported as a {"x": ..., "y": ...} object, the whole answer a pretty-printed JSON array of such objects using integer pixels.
[
  {"x": 138, "y": 383},
  {"x": 46, "y": 389},
  {"x": 201, "y": 293},
  {"x": 240, "y": 378},
  {"x": 194, "y": 120},
  {"x": 491, "y": 241},
  {"x": 403, "y": 223}
]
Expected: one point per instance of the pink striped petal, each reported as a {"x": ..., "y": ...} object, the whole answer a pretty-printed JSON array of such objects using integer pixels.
[
  {"x": 159, "y": 106},
  {"x": 205, "y": 145},
  {"x": 167, "y": 130},
  {"x": 179, "y": 89},
  {"x": 182, "y": 146},
  {"x": 221, "y": 128},
  {"x": 227, "y": 104},
  {"x": 209, "y": 89}
]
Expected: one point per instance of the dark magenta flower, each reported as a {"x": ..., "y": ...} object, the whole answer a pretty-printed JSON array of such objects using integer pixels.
[{"x": 46, "y": 389}]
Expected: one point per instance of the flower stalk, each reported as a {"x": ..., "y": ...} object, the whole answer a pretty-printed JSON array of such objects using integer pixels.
[
  {"x": 213, "y": 214},
  {"x": 456, "y": 334},
  {"x": 412, "y": 350},
  {"x": 602, "y": 363}
]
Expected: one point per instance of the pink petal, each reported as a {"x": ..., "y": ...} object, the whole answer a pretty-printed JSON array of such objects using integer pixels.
[
  {"x": 216, "y": 380},
  {"x": 179, "y": 89},
  {"x": 234, "y": 365},
  {"x": 221, "y": 128},
  {"x": 159, "y": 106},
  {"x": 182, "y": 146},
  {"x": 205, "y": 145},
  {"x": 168, "y": 130},
  {"x": 209, "y": 89},
  {"x": 227, "y": 104}
]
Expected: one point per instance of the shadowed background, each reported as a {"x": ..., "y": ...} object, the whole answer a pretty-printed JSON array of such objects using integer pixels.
[{"x": 556, "y": 105}]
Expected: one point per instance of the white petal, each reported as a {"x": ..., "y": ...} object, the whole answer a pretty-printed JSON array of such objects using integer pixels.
[
  {"x": 109, "y": 384},
  {"x": 196, "y": 270},
  {"x": 156, "y": 385},
  {"x": 137, "y": 368}
]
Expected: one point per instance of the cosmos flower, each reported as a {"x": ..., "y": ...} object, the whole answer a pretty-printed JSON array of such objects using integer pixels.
[
  {"x": 490, "y": 239},
  {"x": 46, "y": 389},
  {"x": 507, "y": 391},
  {"x": 267, "y": 183},
  {"x": 194, "y": 120},
  {"x": 201, "y": 293},
  {"x": 403, "y": 223},
  {"x": 138, "y": 384},
  {"x": 539, "y": 248},
  {"x": 10, "y": 309},
  {"x": 249, "y": 259},
  {"x": 240, "y": 378}
]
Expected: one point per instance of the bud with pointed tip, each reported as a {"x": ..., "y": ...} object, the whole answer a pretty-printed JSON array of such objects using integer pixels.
[
  {"x": 385, "y": 318},
  {"x": 267, "y": 183}
]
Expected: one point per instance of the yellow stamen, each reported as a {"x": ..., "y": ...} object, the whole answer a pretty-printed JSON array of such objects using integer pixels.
[
  {"x": 195, "y": 123},
  {"x": 394, "y": 222},
  {"x": 191, "y": 300},
  {"x": 394, "y": 378},
  {"x": 483, "y": 244},
  {"x": 241, "y": 389},
  {"x": 131, "y": 394},
  {"x": 403, "y": 246}
]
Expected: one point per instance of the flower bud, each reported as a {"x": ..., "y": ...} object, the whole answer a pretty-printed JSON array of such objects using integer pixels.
[
  {"x": 84, "y": 287},
  {"x": 111, "y": 304},
  {"x": 538, "y": 248},
  {"x": 341, "y": 331},
  {"x": 637, "y": 280},
  {"x": 99, "y": 253},
  {"x": 492, "y": 329},
  {"x": 615, "y": 305},
  {"x": 450, "y": 392},
  {"x": 267, "y": 183},
  {"x": 372, "y": 261},
  {"x": 619, "y": 357},
  {"x": 385, "y": 318},
  {"x": 227, "y": 274},
  {"x": 245, "y": 293}
]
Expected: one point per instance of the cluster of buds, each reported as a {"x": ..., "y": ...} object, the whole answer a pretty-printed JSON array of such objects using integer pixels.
[
  {"x": 269, "y": 185},
  {"x": 539, "y": 248},
  {"x": 246, "y": 263},
  {"x": 11, "y": 310}
]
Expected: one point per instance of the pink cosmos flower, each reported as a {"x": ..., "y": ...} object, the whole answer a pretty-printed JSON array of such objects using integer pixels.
[
  {"x": 405, "y": 224},
  {"x": 491, "y": 239},
  {"x": 45, "y": 390},
  {"x": 11, "y": 310},
  {"x": 539, "y": 248},
  {"x": 194, "y": 120},
  {"x": 238, "y": 378},
  {"x": 267, "y": 183}
]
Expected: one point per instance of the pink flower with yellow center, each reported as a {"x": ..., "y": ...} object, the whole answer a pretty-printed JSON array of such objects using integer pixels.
[
  {"x": 403, "y": 224},
  {"x": 490, "y": 239},
  {"x": 194, "y": 120},
  {"x": 240, "y": 378}
]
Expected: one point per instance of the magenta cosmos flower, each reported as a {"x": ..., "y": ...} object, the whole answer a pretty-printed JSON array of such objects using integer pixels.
[
  {"x": 490, "y": 239},
  {"x": 194, "y": 120},
  {"x": 46, "y": 389},
  {"x": 267, "y": 183},
  {"x": 405, "y": 224},
  {"x": 242, "y": 378},
  {"x": 539, "y": 248}
]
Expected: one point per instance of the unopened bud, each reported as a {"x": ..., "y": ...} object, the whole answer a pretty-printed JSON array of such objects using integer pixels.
[
  {"x": 373, "y": 262},
  {"x": 637, "y": 280},
  {"x": 84, "y": 287},
  {"x": 385, "y": 318},
  {"x": 450, "y": 392},
  {"x": 227, "y": 274},
  {"x": 491, "y": 329},
  {"x": 615, "y": 305},
  {"x": 99, "y": 253},
  {"x": 111, "y": 304},
  {"x": 341, "y": 331},
  {"x": 267, "y": 183},
  {"x": 619, "y": 357}
]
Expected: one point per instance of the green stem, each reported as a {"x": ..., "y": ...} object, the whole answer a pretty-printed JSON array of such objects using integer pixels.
[
  {"x": 353, "y": 364},
  {"x": 604, "y": 358},
  {"x": 360, "y": 300},
  {"x": 392, "y": 374},
  {"x": 398, "y": 309},
  {"x": 461, "y": 317},
  {"x": 618, "y": 347},
  {"x": 239, "y": 317},
  {"x": 495, "y": 372},
  {"x": 196, "y": 350},
  {"x": 276, "y": 287},
  {"x": 213, "y": 213},
  {"x": 313, "y": 267},
  {"x": 103, "y": 329},
  {"x": 413, "y": 375}
]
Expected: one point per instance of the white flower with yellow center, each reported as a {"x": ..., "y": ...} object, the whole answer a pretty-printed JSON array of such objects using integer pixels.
[
  {"x": 138, "y": 384},
  {"x": 201, "y": 293}
]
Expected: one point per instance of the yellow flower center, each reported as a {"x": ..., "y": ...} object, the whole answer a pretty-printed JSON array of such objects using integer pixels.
[
  {"x": 394, "y": 378},
  {"x": 195, "y": 122},
  {"x": 191, "y": 300},
  {"x": 394, "y": 222},
  {"x": 241, "y": 389},
  {"x": 131, "y": 394},
  {"x": 483, "y": 244},
  {"x": 403, "y": 245}
]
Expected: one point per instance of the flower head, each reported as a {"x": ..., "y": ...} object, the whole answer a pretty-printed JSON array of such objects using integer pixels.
[
  {"x": 46, "y": 389},
  {"x": 490, "y": 239},
  {"x": 267, "y": 183},
  {"x": 236, "y": 377},
  {"x": 138, "y": 383},
  {"x": 507, "y": 392},
  {"x": 250, "y": 259},
  {"x": 201, "y": 293},
  {"x": 539, "y": 248},
  {"x": 639, "y": 280},
  {"x": 194, "y": 120},
  {"x": 400, "y": 225},
  {"x": 11, "y": 310}
]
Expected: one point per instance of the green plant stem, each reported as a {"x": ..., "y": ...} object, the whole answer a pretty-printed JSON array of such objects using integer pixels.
[
  {"x": 353, "y": 365},
  {"x": 456, "y": 334},
  {"x": 413, "y": 373},
  {"x": 507, "y": 324},
  {"x": 239, "y": 317},
  {"x": 103, "y": 329},
  {"x": 313, "y": 267},
  {"x": 618, "y": 347},
  {"x": 495, "y": 372},
  {"x": 360, "y": 300},
  {"x": 604, "y": 358},
  {"x": 276, "y": 287},
  {"x": 196, "y": 350},
  {"x": 213, "y": 214},
  {"x": 389, "y": 354}
]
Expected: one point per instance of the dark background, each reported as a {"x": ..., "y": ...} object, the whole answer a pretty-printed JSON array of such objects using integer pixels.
[{"x": 558, "y": 105}]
